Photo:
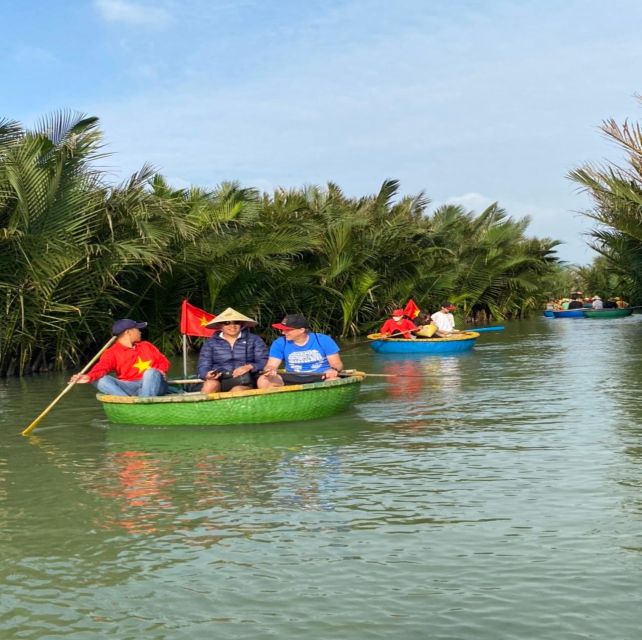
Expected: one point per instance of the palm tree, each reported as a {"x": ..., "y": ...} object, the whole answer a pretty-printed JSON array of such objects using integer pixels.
[{"x": 617, "y": 196}]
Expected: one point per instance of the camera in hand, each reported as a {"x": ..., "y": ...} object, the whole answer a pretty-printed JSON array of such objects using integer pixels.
[{"x": 223, "y": 373}]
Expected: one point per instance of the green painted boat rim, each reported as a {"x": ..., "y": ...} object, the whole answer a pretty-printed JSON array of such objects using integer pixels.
[{"x": 230, "y": 396}]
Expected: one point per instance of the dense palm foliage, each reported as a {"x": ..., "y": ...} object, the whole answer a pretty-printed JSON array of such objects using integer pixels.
[
  {"x": 76, "y": 252},
  {"x": 617, "y": 211}
]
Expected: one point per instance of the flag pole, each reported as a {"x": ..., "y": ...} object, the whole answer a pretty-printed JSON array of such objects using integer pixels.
[{"x": 185, "y": 355}]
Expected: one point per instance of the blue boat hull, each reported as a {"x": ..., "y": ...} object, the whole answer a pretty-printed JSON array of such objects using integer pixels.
[
  {"x": 548, "y": 313},
  {"x": 569, "y": 313},
  {"x": 433, "y": 346}
]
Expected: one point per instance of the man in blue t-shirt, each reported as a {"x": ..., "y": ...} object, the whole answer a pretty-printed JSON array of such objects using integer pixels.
[{"x": 308, "y": 356}]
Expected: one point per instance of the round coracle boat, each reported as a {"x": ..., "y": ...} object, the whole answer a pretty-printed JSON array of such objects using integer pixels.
[
  {"x": 293, "y": 403},
  {"x": 607, "y": 313},
  {"x": 457, "y": 343}
]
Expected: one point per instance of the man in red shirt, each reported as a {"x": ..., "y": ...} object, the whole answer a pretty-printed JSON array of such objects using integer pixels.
[
  {"x": 139, "y": 366},
  {"x": 398, "y": 325}
]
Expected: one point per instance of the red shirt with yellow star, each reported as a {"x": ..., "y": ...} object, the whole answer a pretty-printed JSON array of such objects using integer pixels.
[{"x": 129, "y": 363}]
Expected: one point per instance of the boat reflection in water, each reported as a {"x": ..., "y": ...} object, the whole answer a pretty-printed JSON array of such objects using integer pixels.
[
  {"x": 417, "y": 390},
  {"x": 416, "y": 375}
]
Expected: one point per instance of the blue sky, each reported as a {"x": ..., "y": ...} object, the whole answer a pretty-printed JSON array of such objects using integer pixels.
[{"x": 471, "y": 102}]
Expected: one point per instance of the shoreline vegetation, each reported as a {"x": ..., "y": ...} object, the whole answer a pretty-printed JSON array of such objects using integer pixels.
[{"x": 77, "y": 252}]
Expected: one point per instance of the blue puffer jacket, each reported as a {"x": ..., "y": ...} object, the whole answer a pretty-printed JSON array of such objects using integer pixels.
[{"x": 216, "y": 353}]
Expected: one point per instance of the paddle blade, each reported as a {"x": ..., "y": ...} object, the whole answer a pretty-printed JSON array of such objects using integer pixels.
[
  {"x": 34, "y": 424},
  {"x": 86, "y": 368}
]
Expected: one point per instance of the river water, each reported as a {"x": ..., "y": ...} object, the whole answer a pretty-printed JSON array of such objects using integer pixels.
[{"x": 498, "y": 496}]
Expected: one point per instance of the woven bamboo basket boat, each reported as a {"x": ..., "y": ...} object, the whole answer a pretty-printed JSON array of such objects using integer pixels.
[
  {"x": 456, "y": 343},
  {"x": 294, "y": 403}
]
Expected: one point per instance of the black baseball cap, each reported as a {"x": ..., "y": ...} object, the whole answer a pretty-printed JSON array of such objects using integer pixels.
[{"x": 292, "y": 321}]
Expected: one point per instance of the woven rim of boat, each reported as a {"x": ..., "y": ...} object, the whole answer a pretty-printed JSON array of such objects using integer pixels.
[
  {"x": 358, "y": 376},
  {"x": 464, "y": 335}
]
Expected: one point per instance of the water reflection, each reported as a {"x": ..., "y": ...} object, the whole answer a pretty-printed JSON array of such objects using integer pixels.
[
  {"x": 415, "y": 387},
  {"x": 308, "y": 482},
  {"x": 155, "y": 482},
  {"x": 138, "y": 487}
]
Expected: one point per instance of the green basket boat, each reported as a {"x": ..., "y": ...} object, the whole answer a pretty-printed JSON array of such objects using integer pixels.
[
  {"x": 607, "y": 313},
  {"x": 295, "y": 403}
]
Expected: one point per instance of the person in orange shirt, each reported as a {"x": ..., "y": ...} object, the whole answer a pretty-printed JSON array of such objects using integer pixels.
[
  {"x": 398, "y": 325},
  {"x": 140, "y": 368}
]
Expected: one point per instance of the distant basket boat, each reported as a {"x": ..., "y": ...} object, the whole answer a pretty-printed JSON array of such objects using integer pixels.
[
  {"x": 569, "y": 313},
  {"x": 607, "y": 313},
  {"x": 256, "y": 406},
  {"x": 456, "y": 343}
]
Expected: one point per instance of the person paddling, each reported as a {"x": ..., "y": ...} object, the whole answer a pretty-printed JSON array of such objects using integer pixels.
[
  {"x": 140, "y": 368},
  {"x": 398, "y": 325}
]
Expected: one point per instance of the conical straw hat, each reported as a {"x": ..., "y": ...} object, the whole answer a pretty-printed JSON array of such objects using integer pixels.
[{"x": 231, "y": 314}]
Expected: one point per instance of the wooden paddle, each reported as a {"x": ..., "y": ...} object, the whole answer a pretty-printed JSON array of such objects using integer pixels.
[
  {"x": 34, "y": 424},
  {"x": 396, "y": 335}
]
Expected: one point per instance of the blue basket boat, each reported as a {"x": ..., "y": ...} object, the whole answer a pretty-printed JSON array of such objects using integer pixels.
[
  {"x": 457, "y": 343},
  {"x": 569, "y": 313}
]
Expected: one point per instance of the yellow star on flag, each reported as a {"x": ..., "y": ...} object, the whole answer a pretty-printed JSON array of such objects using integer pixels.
[
  {"x": 204, "y": 321},
  {"x": 142, "y": 365}
]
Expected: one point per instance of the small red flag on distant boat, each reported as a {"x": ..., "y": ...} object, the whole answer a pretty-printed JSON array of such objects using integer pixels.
[
  {"x": 411, "y": 310},
  {"x": 193, "y": 321}
]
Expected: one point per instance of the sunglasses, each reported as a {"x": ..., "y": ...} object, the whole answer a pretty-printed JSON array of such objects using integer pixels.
[{"x": 228, "y": 322}]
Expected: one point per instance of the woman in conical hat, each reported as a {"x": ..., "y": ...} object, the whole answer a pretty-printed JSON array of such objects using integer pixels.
[{"x": 231, "y": 359}]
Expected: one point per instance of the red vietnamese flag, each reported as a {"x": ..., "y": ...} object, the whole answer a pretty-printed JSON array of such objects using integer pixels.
[
  {"x": 193, "y": 321},
  {"x": 411, "y": 310}
]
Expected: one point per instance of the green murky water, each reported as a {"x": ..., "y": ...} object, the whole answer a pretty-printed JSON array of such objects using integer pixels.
[{"x": 497, "y": 497}]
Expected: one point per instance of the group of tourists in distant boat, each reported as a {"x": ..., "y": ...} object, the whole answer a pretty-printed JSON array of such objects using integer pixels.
[
  {"x": 577, "y": 301},
  {"x": 232, "y": 359},
  {"x": 440, "y": 324}
]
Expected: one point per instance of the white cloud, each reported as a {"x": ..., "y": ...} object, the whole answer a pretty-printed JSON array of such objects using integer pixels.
[
  {"x": 470, "y": 201},
  {"x": 132, "y": 13}
]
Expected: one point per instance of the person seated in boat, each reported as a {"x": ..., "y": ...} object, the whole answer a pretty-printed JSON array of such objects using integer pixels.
[
  {"x": 232, "y": 357},
  {"x": 444, "y": 320},
  {"x": 308, "y": 356},
  {"x": 610, "y": 303},
  {"x": 398, "y": 326},
  {"x": 621, "y": 303},
  {"x": 564, "y": 302},
  {"x": 426, "y": 329},
  {"x": 575, "y": 303},
  {"x": 597, "y": 303},
  {"x": 140, "y": 368}
]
